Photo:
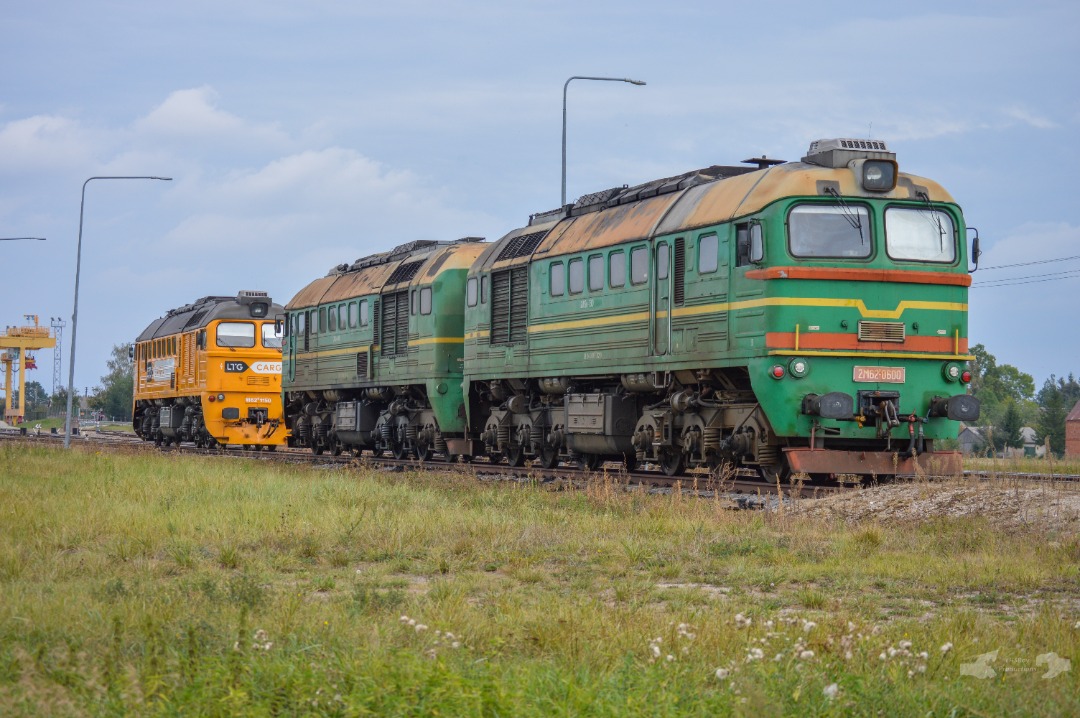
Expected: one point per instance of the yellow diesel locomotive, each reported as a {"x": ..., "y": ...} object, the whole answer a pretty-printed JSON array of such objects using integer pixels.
[{"x": 210, "y": 373}]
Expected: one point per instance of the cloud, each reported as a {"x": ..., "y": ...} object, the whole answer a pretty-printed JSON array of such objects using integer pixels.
[
  {"x": 43, "y": 143},
  {"x": 192, "y": 114},
  {"x": 1029, "y": 118}
]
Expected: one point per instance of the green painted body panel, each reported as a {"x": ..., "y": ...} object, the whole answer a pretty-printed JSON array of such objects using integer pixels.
[{"x": 732, "y": 318}]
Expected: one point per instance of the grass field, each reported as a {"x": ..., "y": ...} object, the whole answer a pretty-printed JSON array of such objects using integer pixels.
[{"x": 153, "y": 584}]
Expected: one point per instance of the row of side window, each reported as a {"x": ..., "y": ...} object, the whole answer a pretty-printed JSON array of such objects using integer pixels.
[
  {"x": 570, "y": 276},
  {"x": 156, "y": 349},
  {"x": 349, "y": 315}
]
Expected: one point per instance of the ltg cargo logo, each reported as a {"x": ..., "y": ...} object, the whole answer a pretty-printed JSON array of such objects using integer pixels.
[{"x": 259, "y": 367}]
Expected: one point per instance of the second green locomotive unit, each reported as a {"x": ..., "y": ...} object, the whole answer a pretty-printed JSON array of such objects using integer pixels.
[{"x": 802, "y": 317}]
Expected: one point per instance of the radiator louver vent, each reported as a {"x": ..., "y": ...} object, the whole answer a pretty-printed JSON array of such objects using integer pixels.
[
  {"x": 394, "y": 331},
  {"x": 405, "y": 272},
  {"x": 509, "y": 305},
  {"x": 361, "y": 365},
  {"x": 881, "y": 332},
  {"x": 680, "y": 270},
  {"x": 521, "y": 245}
]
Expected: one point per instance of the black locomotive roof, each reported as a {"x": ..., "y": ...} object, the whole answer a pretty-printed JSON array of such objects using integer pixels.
[{"x": 203, "y": 311}]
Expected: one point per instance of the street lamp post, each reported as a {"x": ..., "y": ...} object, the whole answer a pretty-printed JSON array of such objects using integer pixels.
[
  {"x": 566, "y": 85},
  {"x": 75, "y": 310}
]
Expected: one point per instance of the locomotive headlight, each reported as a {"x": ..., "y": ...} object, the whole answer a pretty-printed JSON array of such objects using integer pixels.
[
  {"x": 876, "y": 175},
  {"x": 951, "y": 372},
  {"x": 259, "y": 309},
  {"x": 799, "y": 367}
]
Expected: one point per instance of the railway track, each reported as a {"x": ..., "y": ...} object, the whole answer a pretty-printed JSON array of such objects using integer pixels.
[{"x": 743, "y": 489}]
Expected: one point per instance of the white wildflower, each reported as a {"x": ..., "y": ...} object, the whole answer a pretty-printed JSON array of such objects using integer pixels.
[
  {"x": 742, "y": 621},
  {"x": 806, "y": 655},
  {"x": 456, "y": 644},
  {"x": 404, "y": 619},
  {"x": 808, "y": 626},
  {"x": 669, "y": 658},
  {"x": 905, "y": 645},
  {"x": 847, "y": 655},
  {"x": 924, "y": 655},
  {"x": 946, "y": 648},
  {"x": 755, "y": 654},
  {"x": 830, "y": 691},
  {"x": 722, "y": 674}
]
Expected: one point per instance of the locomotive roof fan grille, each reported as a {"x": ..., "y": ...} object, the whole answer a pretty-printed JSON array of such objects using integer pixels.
[{"x": 874, "y": 165}]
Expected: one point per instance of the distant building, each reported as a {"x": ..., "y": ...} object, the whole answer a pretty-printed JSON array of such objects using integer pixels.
[
  {"x": 1072, "y": 432},
  {"x": 973, "y": 439},
  {"x": 970, "y": 439}
]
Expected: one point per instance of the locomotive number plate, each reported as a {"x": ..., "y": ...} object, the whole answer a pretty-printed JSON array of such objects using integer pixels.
[{"x": 880, "y": 374}]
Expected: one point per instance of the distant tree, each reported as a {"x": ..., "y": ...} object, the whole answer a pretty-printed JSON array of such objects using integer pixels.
[
  {"x": 1069, "y": 390},
  {"x": 117, "y": 387},
  {"x": 58, "y": 401},
  {"x": 1054, "y": 406},
  {"x": 1008, "y": 432},
  {"x": 996, "y": 385}
]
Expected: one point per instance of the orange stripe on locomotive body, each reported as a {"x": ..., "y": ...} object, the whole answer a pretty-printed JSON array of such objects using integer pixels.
[
  {"x": 848, "y": 342},
  {"x": 852, "y": 274}
]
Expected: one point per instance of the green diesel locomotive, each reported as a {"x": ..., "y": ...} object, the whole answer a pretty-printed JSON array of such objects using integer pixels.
[
  {"x": 807, "y": 316},
  {"x": 790, "y": 317},
  {"x": 372, "y": 355}
]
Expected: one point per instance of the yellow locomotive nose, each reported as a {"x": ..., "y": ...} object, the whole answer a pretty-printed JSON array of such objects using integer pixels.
[{"x": 211, "y": 374}]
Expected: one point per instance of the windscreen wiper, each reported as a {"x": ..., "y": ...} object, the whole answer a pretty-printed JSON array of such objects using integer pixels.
[
  {"x": 850, "y": 214},
  {"x": 933, "y": 218}
]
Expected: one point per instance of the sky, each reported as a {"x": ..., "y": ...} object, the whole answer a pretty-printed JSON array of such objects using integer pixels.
[{"x": 300, "y": 135}]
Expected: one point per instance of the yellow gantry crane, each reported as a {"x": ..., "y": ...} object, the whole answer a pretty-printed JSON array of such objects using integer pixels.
[{"x": 16, "y": 343}]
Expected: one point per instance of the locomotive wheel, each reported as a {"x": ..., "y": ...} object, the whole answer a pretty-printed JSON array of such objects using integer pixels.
[
  {"x": 549, "y": 457},
  {"x": 424, "y": 452},
  {"x": 515, "y": 455},
  {"x": 356, "y": 451},
  {"x": 158, "y": 439},
  {"x": 271, "y": 447},
  {"x": 630, "y": 462},
  {"x": 336, "y": 449},
  {"x": 399, "y": 451},
  {"x": 773, "y": 473},
  {"x": 317, "y": 449},
  {"x": 589, "y": 462},
  {"x": 672, "y": 462}
]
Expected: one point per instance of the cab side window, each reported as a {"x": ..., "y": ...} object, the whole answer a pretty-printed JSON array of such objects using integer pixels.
[
  {"x": 557, "y": 276},
  {"x": 639, "y": 265}
]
